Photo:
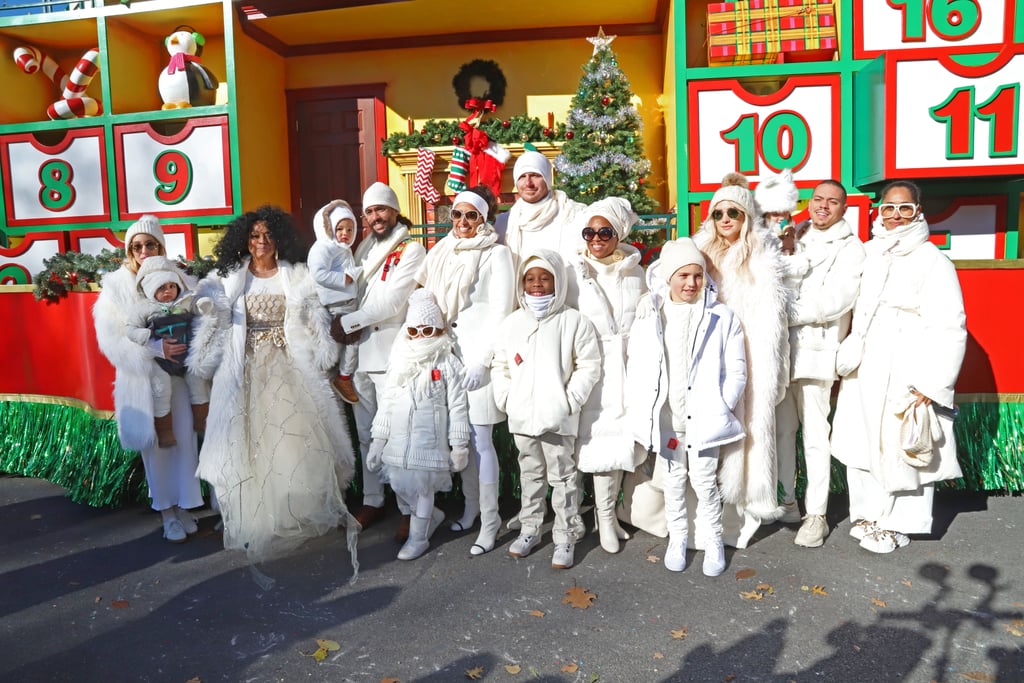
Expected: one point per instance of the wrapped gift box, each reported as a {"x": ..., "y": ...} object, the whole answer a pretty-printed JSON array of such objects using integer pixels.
[{"x": 771, "y": 31}]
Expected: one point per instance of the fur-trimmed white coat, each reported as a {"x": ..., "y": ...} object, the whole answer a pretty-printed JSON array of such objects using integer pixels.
[
  {"x": 133, "y": 361},
  {"x": 307, "y": 332},
  {"x": 607, "y": 296}
]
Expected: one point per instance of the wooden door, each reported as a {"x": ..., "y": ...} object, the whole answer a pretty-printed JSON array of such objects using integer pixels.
[{"x": 334, "y": 151}]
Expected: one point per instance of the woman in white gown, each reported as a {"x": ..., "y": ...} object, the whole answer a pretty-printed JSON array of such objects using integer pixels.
[{"x": 277, "y": 451}]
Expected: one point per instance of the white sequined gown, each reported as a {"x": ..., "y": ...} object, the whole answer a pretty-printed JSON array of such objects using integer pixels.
[{"x": 281, "y": 484}]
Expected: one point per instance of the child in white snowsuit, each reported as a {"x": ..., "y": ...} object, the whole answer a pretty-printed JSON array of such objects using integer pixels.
[
  {"x": 686, "y": 370},
  {"x": 546, "y": 362},
  {"x": 421, "y": 430},
  {"x": 167, "y": 313},
  {"x": 337, "y": 279}
]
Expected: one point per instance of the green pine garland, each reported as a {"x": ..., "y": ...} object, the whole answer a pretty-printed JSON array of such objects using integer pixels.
[{"x": 435, "y": 133}]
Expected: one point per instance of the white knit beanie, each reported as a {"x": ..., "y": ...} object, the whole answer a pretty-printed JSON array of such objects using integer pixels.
[
  {"x": 473, "y": 199},
  {"x": 146, "y": 225},
  {"x": 380, "y": 194},
  {"x": 616, "y": 211},
  {"x": 532, "y": 162},
  {"x": 423, "y": 310},
  {"x": 777, "y": 193},
  {"x": 157, "y": 271},
  {"x": 735, "y": 189},
  {"x": 678, "y": 254}
]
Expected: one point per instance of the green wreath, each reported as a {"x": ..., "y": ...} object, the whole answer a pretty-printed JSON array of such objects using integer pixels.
[{"x": 490, "y": 72}]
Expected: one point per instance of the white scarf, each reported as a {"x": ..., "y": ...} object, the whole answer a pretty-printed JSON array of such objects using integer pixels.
[
  {"x": 526, "y": 217},
  {"x": 412, "y": 360},
  {"x": 539, "y": 305},
  {"x": 448, "y": 274},
  {"x": 904, "y": 239}
]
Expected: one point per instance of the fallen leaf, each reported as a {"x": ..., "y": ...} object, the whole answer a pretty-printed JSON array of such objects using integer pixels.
[
  {"x": 730, "y": 677},
  {"x": 594, "y": 677},
  {"x": 752, "y": 595},
  {"x": 320, "y": 654},
  {"x": 805, "y": 588},
  {"x": 653, "y": 559},
  {"x": 745, "y": 574},
  {"x": 819, "y": 590},
  {"x": 536, "y": 613},
  {"x": 579, "y": 597},
  {"x": 658, "y": 655},
  {"x": 1015, "y": 629},
  {"x": 329, "y": 645},
  {"x": 513, "y": 668},
  {"x": 570, "y": 668},
  {"x": 680, "y": 632},
  {"x": 878, "y": 603},
  {"x": 1017, "y": 604},
  {"x": 765, "y": 588},
  {"x": 979, "y": 676},
  {"x": 99, "y": 599},
  {"x": 194, "y": 680},
  {"x": 390, "y": 680},
  {"x": 908, "y": 583},
  {"x": 119, "y": 604},
  {"x": 475, "y": 674}
]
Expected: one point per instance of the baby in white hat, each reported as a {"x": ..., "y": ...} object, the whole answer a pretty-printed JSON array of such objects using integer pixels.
[
  {"x": 167, "y": 313},
  {"x": 421, "y": 430}
]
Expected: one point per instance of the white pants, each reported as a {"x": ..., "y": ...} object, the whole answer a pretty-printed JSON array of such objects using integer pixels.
[
  {"x": 160, "y": 382},
  {"x": 701, "y": 470},
  {"x": 349, "y": 359},
  {"x": 546, "y": 460},
  {"x": 806, "y": 404},
  {"x": 369, "y": 385},
  {"x": 909, "y": 512},
  {"x": 171, "y": 472}
]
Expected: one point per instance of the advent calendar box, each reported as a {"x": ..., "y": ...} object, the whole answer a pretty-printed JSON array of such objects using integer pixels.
[{"x": 771, "y": 31}]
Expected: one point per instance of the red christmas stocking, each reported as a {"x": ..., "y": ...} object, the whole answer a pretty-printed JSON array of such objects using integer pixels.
[
  {"x": 422, "y": 185},
  {"x": 489, "y": 166}
]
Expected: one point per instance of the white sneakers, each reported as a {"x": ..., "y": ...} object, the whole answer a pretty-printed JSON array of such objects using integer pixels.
[
  {"x": 174, "y": 531},
  {"x": 714, "y": 558},
  {"x": 188, "y": 522},
  {"x": 524, "y": 545},
  {"x": 883, "y": 541},
  {"x": 563, "y": 556},
  {"x": 675, "y": 554},
  {"x": 813, "y": 532},
  {"x": 862, "y": 528}
]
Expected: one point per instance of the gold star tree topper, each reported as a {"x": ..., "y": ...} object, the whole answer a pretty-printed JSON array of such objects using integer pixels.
[{"x": 601, "y": 40}]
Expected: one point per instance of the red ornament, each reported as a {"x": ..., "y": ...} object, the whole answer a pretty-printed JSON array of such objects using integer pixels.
[
  {"x": 640, "y": 181},
  {"x": 506, "y": 124},
  {"x": 423, "y": 131},
  {"x": 73, "y": 278},
  {"x": 606, "y": 100},
  {"x": 569, "y": 135},
  {"x": 548, "y": 132},
  {"x": 456, "y": 140}
]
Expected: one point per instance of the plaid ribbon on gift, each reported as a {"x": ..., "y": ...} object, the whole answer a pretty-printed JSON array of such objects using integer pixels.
[{"x": 756, "y": 31}]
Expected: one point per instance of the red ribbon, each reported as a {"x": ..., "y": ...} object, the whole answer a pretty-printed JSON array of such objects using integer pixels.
[
  {"x": 178, "y": 60},
  {"x": 479, "y": 106}
]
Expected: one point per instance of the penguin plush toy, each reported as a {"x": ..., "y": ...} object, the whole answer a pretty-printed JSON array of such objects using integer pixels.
[{"x": 185, "y": 82}]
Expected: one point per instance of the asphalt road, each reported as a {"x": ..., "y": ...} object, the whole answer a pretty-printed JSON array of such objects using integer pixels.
[{"x": 97, "y": 595}]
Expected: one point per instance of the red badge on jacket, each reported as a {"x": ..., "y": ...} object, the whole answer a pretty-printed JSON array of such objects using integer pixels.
[
  {"x": 435, "y": 374},
  {"x": 672, "y": 444},
  {"x": 518, "y": 359}
]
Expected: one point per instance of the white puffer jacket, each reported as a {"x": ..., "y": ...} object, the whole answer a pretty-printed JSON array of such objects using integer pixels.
[
  {"x": 715, "y": 384},
  {"x": 544, "y": 370},
  {"x": 329, "y": 263},
  {"x": 607, "y": 295}
]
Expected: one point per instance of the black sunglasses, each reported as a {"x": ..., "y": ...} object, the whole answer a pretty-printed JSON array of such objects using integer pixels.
[
  {"x": 470, "y": 215},
  {"x": 731, "y": 213},
  {"x": 604, "y": 234}
]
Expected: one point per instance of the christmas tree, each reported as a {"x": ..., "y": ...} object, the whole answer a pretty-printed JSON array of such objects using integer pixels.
[{"x": 603, "y": 154}]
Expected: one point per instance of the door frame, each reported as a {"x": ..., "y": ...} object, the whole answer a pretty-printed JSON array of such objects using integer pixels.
[{"x": 364, "y": 90}]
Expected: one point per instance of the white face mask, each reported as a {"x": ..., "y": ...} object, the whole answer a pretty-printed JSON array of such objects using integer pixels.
[{"x": 539, "y": 305}]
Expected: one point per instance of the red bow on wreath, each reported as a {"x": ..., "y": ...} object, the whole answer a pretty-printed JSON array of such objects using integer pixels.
[{"x": 479, "y": 106}]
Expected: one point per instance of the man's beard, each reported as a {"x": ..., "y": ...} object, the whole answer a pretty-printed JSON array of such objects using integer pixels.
[{"x": 379, "y": 237}]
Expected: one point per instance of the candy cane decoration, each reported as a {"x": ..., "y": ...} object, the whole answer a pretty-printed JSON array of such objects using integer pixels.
[{"x": 73, "y": 103}]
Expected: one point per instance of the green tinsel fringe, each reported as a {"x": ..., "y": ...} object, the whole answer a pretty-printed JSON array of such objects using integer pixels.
[
  {"x": 990, "y": 443},
  {"x": 72, "y": 448}
]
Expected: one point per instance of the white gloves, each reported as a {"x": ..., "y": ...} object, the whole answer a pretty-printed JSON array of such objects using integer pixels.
[
  {"x": 204, "y": 305},
  {"x": 474, "y": 378},
  {"x": 644, "y": 307},
  {"x": 375, "y": 456},
  {"x": 139, "y": 335},
  {"x": 460, "y": 457}
]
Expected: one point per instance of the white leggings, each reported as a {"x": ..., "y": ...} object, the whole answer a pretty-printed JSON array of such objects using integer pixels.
[{"x": 487, "y": 458}]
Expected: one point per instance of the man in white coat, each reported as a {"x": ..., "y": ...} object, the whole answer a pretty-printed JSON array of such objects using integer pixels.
[
  {"x": 389, "y": 259},
  {"x": 541, "y": 218},
  {"x": 824, "y": 270}
]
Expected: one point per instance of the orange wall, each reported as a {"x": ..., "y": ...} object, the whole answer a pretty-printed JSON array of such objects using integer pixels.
[{"x": 419, "y": 82}]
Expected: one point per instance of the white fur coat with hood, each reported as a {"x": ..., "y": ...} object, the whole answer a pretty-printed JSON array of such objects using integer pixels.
[
  {"x": 307, "y": 332},
  {"x": 133, "y": 361}
]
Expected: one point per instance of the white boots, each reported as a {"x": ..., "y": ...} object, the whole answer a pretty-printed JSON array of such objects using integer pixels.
[
  {"x": 606, "y": 497},
  {"x": 490, "y": 521},
  {"x": 471, "y": 491},
  {"x": 420, "y": 531}
]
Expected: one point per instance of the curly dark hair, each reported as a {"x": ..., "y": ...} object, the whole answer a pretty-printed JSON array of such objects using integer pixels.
[
  {"x": 487, "y": 195},
  {"x": 234, "y": 246}
]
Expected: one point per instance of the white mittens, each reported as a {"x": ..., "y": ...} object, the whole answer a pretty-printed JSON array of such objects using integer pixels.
[
  {"x": 474, "y": 378},
  {"x": 375, "y": 456},
  {"x": 460, "y": 457}
]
